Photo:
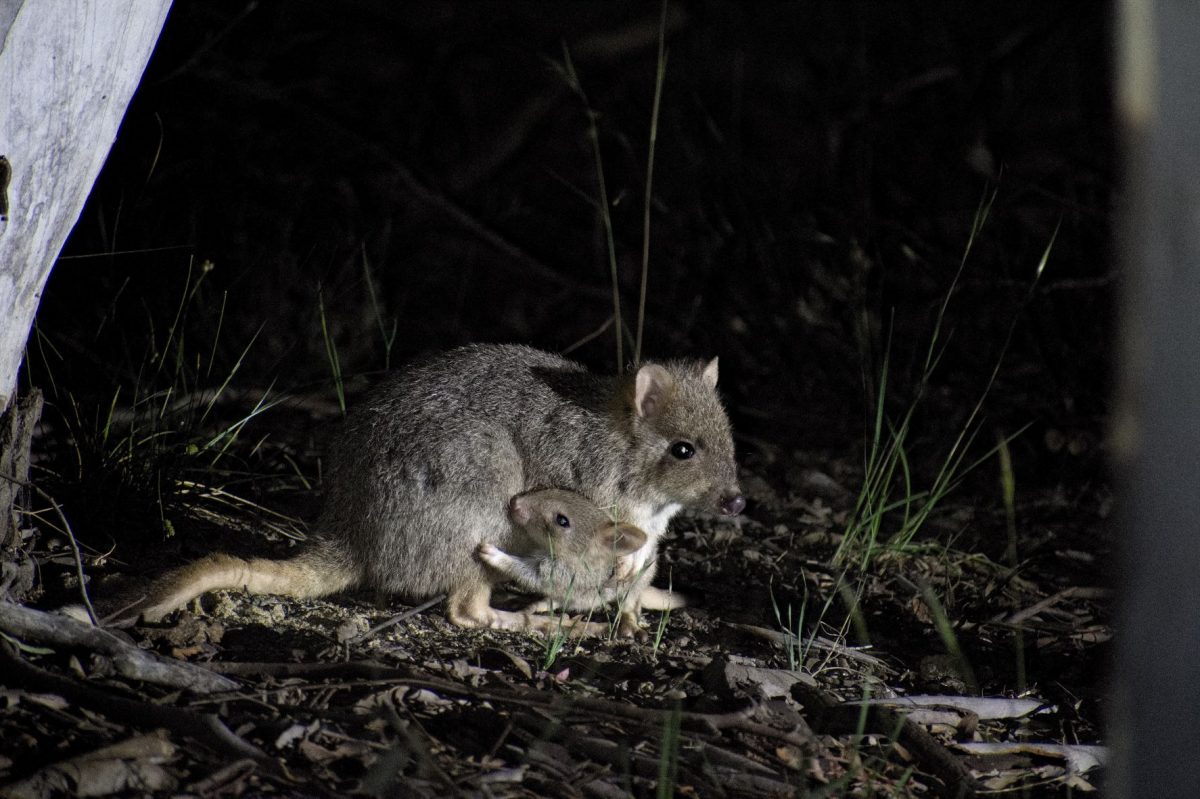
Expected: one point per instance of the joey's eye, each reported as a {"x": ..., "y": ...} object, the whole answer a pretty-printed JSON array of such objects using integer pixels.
[
  {"x": 562, "y": 521},
  {"x": 682, "y": 450}
]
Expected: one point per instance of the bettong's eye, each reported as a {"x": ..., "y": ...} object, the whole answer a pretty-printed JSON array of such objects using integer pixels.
[
  {"x": 682, "y": 450},
  {"x": 562, "y": 521}
]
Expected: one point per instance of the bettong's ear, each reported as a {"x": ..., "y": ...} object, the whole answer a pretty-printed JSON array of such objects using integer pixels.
[
  {"x": 622, "y": 538},
  {"x": 652, "y": 389},
  {"x": 710, "y": 373}
]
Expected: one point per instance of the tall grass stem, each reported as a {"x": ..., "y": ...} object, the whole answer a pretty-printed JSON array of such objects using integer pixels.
[
  {"x": 593, "y": 134},
  {"x": 660, "y": 74}
]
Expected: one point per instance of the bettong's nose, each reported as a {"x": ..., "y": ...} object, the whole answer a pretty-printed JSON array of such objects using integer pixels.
[{"x": 732, "y": 506}]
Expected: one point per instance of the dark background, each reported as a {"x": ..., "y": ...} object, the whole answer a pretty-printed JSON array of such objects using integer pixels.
[
  {"x": 817, "y": 172},
  {"x": 379, "y": 179}
]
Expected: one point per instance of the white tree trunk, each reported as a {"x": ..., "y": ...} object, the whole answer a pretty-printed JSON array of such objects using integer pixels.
[{"x": 67, "y": 71}]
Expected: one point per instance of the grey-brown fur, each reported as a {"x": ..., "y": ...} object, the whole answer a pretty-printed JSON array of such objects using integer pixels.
[{"x": 424, "y": 469}]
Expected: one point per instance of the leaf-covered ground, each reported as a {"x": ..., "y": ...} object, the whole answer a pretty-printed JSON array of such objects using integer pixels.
[{"x": 733, "y": 696}]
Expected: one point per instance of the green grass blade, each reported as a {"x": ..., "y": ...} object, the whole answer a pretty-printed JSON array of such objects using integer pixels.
[{"x": 335, "y": 365}]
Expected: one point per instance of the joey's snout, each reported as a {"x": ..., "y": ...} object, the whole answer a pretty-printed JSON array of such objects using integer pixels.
[{"x": 732, "y": 505}]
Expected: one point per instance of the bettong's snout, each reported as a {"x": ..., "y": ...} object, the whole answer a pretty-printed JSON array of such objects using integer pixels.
[{"x": 733, "y": 505}]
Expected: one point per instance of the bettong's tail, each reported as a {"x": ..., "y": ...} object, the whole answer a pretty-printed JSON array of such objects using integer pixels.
[{"x": 309, "y": 574}]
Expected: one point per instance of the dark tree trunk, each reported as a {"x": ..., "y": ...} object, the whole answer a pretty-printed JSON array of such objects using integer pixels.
[
  {"x": 16, "y": 437},
  {"x": 1155, "y": 716}
]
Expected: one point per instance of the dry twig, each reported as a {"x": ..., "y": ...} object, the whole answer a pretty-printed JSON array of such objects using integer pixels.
[{"x": 130, "y": 661}]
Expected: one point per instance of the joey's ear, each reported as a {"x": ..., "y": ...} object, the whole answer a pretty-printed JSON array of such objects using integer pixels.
[
  {"x": 710, "y": 373},
  {"x": 622, "y": 538},
  {"x": 652, "y": 389}
]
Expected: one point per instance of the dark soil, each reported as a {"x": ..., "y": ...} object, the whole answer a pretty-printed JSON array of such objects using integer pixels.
[{"x": 408, "y": 177}]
